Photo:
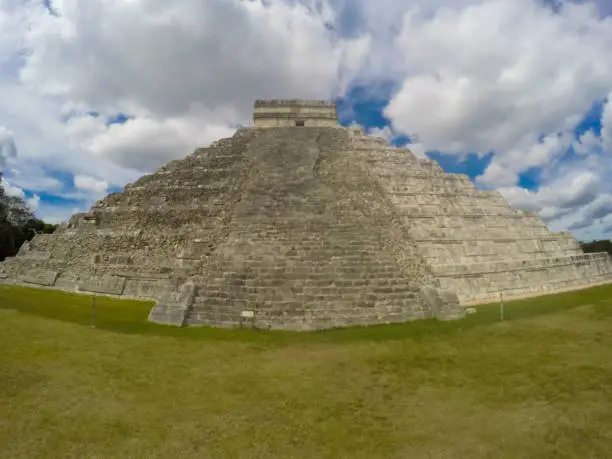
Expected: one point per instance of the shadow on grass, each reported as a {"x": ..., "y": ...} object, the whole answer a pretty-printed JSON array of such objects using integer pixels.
[{"x": 130, "y": 317}]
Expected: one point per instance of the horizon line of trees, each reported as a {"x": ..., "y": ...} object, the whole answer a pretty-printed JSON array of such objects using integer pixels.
[{"x": 597, "y": 246}]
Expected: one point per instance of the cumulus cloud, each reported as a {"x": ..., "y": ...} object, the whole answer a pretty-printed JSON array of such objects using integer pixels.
[
  {"x": 384, "y": 133},
  {"x": 144, "y": 143},
  {"x": 577, "y": 198},
  {"x": 7, "y": 146},
  {"x": 587, "y": 143},
  {"x": 33, "y": 202},
  {"x": 507, "y": 164},
  {"x": 11, "y": 190},
  {"x": 599, "y": 208},
  {"x": 496, "y": 75},
  {"x": 85, "y": 182},
  {"x": 566, "y": 192},
  {"x": 53, "y": 213},
  {"x": 166, "y": 58}
]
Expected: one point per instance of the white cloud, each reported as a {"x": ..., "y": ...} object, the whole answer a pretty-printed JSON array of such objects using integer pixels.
[
  {"x": 418, "y": 149},
  {"x": 497, "y": 75},
  {"x": 588, "y": 143},
  {"x": 599, "y": 208},
  {"x": 154, "y": 58},
  {"x": 54, "y": 213},
  {"x": 11, "y": 190},
  {"x": 574, "y": 197},
  {"x": 33, "y": 202},
  {"x": 506, "y": 165},
  {"x": 570, "y": 191},
  {"x": 87, "y": 183},
  {"x": 7, "y": 146},
  {"x": 144, "y": 143},
  {"x": 384, "y": 133},
  {"x": 389, "y": 135}
]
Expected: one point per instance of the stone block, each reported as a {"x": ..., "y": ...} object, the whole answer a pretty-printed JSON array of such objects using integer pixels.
[
  {"x": 444, "y": 304},
  {"x": 173, "y": 307},
  {"x": 109, "y": 285},
  {"x": 41, "y": 277},
  {"x": 147, "y": 288}
]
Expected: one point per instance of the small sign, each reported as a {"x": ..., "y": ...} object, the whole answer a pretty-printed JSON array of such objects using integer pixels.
[{"x": 247, "y": 314}]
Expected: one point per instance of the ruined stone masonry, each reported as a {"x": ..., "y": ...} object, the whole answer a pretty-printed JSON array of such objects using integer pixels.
[{"x": 308, "y": 225}]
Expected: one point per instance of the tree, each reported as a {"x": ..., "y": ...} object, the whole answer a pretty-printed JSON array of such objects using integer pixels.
[
  {"x": 7, "y": 241},
  {"x": 14, "y": 210},
  {"x": 597, "y": 246},
  {"x": 17, "y": 224}
]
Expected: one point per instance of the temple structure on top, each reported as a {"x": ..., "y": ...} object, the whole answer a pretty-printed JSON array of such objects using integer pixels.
[
  {"x": 295, "y": 113},
  {"x": 298, "y": 223}
]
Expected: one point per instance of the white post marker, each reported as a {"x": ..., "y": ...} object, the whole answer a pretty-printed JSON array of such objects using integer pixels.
[
  {"x": 247, "y": 315},
  {"x": 93, "y": 312}
]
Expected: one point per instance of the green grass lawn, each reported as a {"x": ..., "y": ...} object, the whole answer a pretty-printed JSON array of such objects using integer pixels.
[{"x": 537, "y": 385}]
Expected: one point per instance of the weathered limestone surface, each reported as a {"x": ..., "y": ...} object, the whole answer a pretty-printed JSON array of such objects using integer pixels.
[
  {"x": 289, "y": 113},
  {"x": 174, "y": 306},
  {"x": 307, "y": 227}
]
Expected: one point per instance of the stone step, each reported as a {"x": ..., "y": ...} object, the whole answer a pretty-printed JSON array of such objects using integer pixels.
[
  {"x": 169, "y": 215},
  {"x": 457, "y": 203},
  {"x": 174, "y": 308},
  {"x": 428, "y": 211},
  {"x": 521, "y": 265},
  {"x": 175, "y": 177},
  {"x": 480, "y": 282},
  {"x": 445, "y": 193},
  {"x": 463, "y": 260},
  {"x": 470, "y": 236},
  {"x": 192, "y": 185},
  {"x": 341, "y": 312},
  {"x": 406, "y": 175},
  {"x": 513, "y": 285},
  {"x": 493, "y": 245},
  {"x": 387, "y": 157}
]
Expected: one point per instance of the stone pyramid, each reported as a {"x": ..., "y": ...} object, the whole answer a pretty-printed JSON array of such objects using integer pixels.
[{"x": 298, "y": 223}]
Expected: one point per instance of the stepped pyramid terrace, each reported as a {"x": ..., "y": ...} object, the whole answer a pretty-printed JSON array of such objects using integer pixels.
[{"x": 305, "y": 224}]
